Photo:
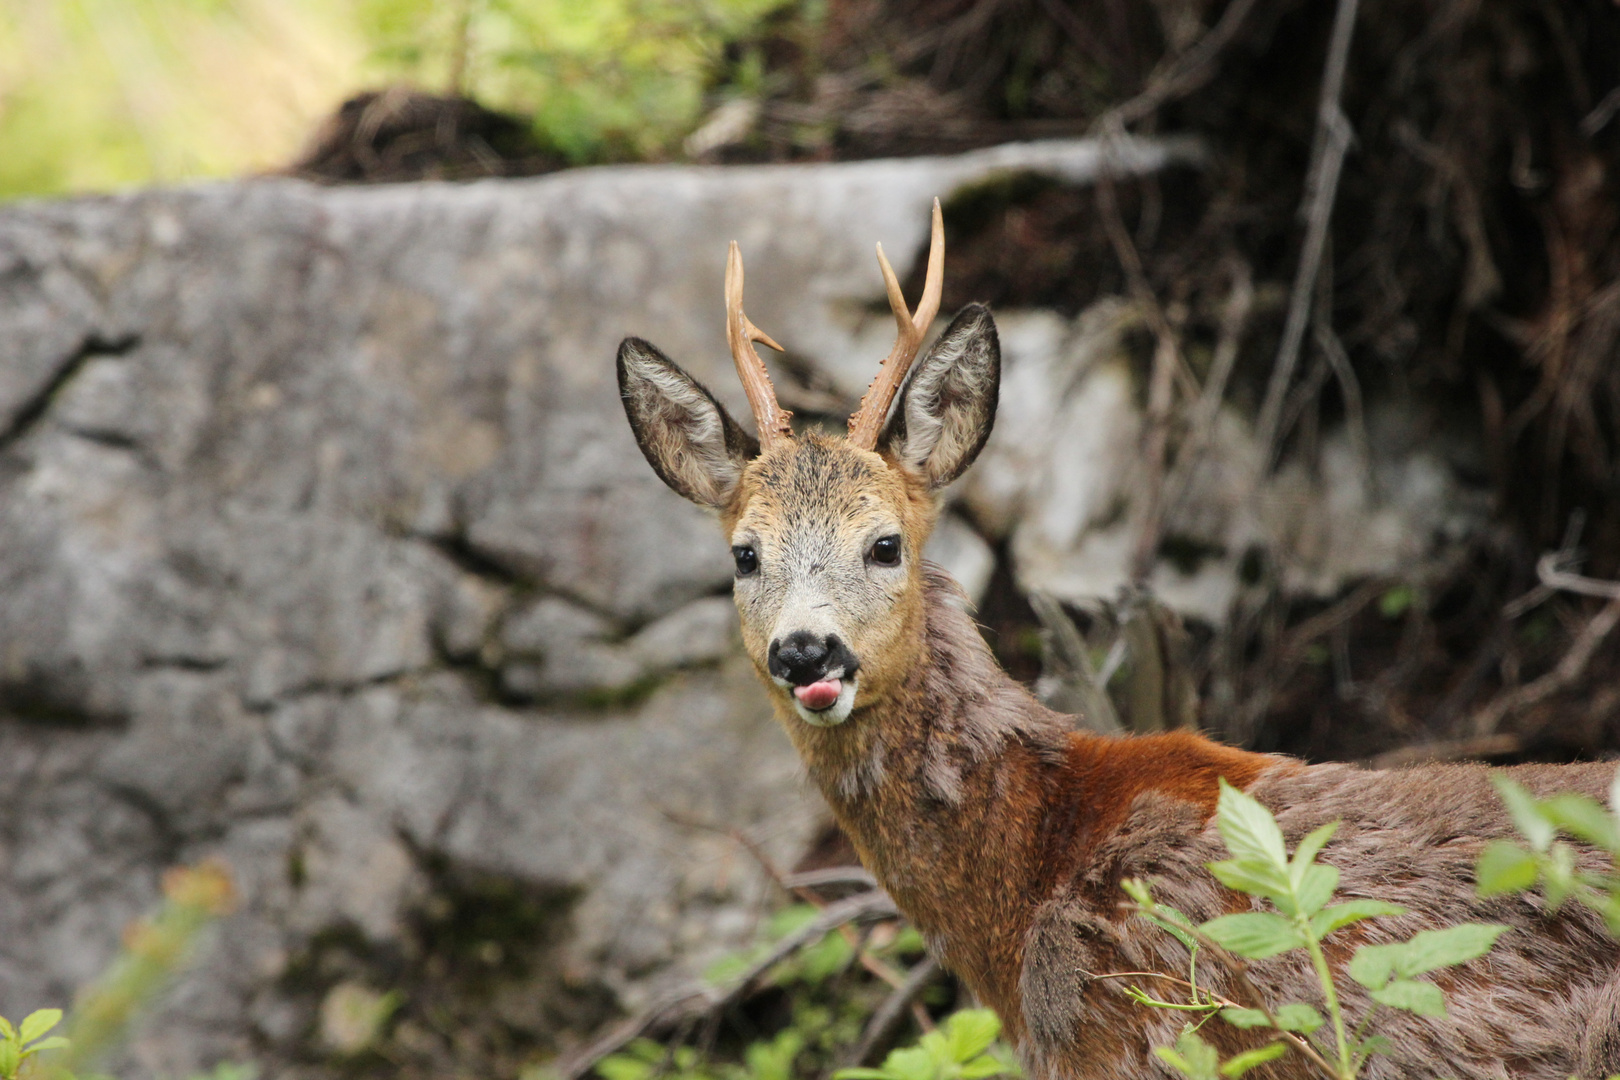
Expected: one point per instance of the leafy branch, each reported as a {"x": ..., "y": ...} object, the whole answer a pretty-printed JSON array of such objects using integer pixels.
[{"x": 1299, "y": 890}]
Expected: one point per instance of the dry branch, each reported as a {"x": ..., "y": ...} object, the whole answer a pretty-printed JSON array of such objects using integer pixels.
[
  {"x": 1569, "y": 669},
  {"x": 1333, "y": 135},
  {"x": 692, "y": 1003},
  {"x": 893, "y": 1008}
]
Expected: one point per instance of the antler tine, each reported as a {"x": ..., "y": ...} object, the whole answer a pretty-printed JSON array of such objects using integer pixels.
[
  {"x": 867, "y": 423},
  {"x": 769, "y": 417}
]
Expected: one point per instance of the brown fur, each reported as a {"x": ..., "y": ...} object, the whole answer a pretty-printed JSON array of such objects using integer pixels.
[{"x": 1004, "y": 834}]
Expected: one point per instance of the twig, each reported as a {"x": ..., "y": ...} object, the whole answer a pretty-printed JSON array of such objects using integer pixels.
[
  {"x": 1186, "y": 73},
  {"x": 1547, "y": 569},
  {"x": 1166, "y": 362},
  {"x": 1355, "y": 418},
  {"x": 1340, "y": 613},
  {"x": 1333, "y": 135},
  {"x": 1240, "y": 972},
  {"x": 1570, "y": 668},
  {"x": 1450, "y": 750},
  {"x": 893, "y": 1007},
  {"x": 694, "y": 1002},
  {"x": 1239, "y": 303},
  {"x": 832, "y": 875}
]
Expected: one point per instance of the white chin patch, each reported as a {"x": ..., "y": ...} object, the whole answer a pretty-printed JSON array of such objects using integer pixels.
[{"x": 834, "y": 714}]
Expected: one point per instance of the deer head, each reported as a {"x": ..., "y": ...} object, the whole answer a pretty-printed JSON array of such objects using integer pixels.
[{"x": 827, "y": 532}]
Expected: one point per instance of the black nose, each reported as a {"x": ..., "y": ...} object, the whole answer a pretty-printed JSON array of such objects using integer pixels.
[{"x": 803, "y": 658}]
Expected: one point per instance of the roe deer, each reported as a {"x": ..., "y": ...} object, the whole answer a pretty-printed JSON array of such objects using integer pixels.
[{"x": 1003, "y": 832}]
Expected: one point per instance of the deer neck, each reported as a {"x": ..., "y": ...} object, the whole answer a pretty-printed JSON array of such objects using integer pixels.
[{"x": 941, "y": 787}]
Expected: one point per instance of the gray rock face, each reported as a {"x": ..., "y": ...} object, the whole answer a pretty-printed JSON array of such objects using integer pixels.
[{"x": 324, "y": 548}]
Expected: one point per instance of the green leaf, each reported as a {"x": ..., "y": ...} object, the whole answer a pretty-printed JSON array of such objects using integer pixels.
[
  {"x": 1525, "y": 811},
  {"x": 1433, "y": 949},
  {"x": 1393, "y": 604},
  {"x": 1338, "y": 916},
  {"x": 971, "y": 1031},
  {"x": 1372, "y": 965},
  {"x": 1504, "y": 867},
  {"x": 1422, "y": 998},
  {"x": 860, "y": 1074},
  {"x": 1558, "y": 874},
  {"x": 1308, "y": 849},
  {"x": 1582, "y": 817},
  {"x": 1173, "y": 930},
  {"x": 1254, "y": 934},
  {"x": 1298, "y": 1016},
  {"x": 1317, "y": 888},
  {"x": 1192, "y": 1056},
  {"x": 789, "y": 919},
  {"x": 982, "y": 1066},
  {"x": 38, "y": 1023},
  {"x": 1240, "y": 1017},
  {"x": 623, "y": 1067},
  {"x": 10, "y": 1057},
  {"x": 825, "y": 958},
  {"x": 1138, "y": 890},
  {"x": 1256, "y": 879},
  {"x": 1239, "y": 1064},
  {"x": 55, "y": 1042},
  {"x": 1248, "y": 828},
  {"x": 912, "y": 1063},
  {"x": 6, "y": 1030}
]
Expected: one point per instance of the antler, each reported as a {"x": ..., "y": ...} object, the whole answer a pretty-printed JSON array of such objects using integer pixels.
[
  {"x": 771, "y": 418},
  {"x": 867, "y": 423}
]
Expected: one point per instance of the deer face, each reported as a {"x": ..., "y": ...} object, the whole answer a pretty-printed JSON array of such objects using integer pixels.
[{"x": 826, "y": 532}]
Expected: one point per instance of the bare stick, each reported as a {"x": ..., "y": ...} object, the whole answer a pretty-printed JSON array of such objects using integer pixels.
[
  {"x": 1570, "y": 668},
  {"x": 1182, "y": 75},
  {"x": 1166, "y": 363},
  {"x": 1333, "y": 135},
  {"x": 1450, "y": 750},
  {"x": 1239, "y": 303},
  {"x": 693, "y": 1002},
  {"x": 1547, "y": 569},
  {"x": 832, "y": 875},
  {"x": 893, "y": 1007}
]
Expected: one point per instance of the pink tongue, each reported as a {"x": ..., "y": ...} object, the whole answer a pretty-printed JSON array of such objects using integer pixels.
[{"x": 820, "y": 695}]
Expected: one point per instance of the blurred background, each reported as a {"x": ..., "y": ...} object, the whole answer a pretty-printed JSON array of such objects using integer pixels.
[{"x": 325, "y": 552}]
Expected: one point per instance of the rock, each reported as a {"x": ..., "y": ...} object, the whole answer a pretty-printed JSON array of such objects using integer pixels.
[
  {"x": 963, "y": 553},
  {"x": 702, "y": 632},
  {"x": 325, "y": 550}
]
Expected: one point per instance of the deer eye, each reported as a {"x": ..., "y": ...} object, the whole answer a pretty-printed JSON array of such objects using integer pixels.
[
  {"x": 886, "y": 552},
  {"x": 747, "y": 559}
]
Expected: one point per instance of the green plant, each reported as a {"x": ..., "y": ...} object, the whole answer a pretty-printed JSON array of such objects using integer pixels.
[
  {"x": 962, "y": 1049},
  {"x": 154, "y": 949},
  {"x": 1506, "y": 867},
  {"x": 1299, "y": 889},
  {"x": 20, "y": 1043},
  {"x": 608, "y": 79}
]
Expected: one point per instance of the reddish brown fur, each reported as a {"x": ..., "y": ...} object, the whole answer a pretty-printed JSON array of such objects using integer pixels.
[{"x": 1003, "y": 833}]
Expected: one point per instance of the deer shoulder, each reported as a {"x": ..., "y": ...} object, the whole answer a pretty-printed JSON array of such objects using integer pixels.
[{"x": 1001, "y": 831}]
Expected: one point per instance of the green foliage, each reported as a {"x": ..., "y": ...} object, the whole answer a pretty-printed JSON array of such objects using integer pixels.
[
  {"x": 1299, "y": 888},
  {"x": 1506, "y": 867},
  {"x": 611, "y": 79},
  {"x": 959, "y": 1050},
  {"x": 99, "y": 94},
  {"x": 22, "y": 1042}
]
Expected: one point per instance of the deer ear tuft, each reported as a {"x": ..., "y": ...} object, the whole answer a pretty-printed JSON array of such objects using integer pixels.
[
  {"x": 687, "y": 436},
  {"x": 949, "y": 404}
]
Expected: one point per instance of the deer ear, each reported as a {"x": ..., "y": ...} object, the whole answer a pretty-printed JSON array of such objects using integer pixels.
[
  {"x": 949, "y": 404},
  {"x": 688, "y": 438}
]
